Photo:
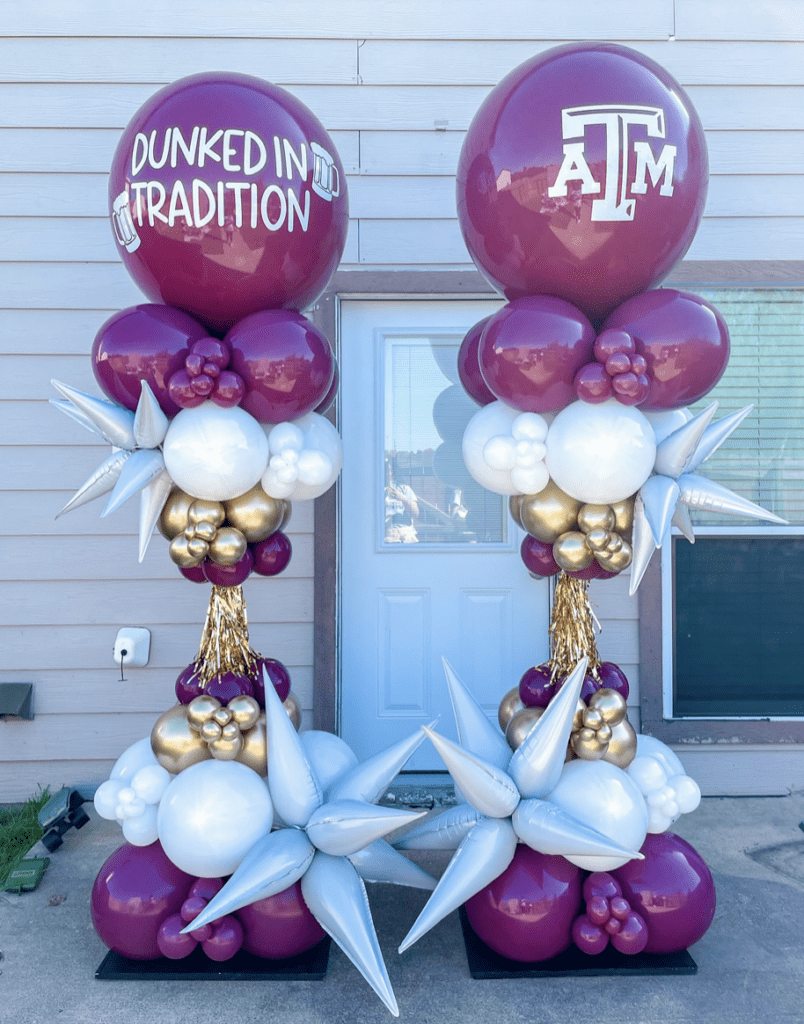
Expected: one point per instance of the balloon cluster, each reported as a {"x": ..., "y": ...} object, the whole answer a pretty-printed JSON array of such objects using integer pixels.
[{"x": 608, "y": 918}]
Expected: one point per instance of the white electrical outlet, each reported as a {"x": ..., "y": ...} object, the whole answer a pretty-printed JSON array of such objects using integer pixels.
[{"x": 132, "y": 647}]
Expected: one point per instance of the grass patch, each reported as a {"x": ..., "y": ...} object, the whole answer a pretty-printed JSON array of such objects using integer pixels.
[{"x": 19, "y": 830}]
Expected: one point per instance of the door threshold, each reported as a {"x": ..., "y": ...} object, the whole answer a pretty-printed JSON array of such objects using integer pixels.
[{"x": 421, "y": 789}]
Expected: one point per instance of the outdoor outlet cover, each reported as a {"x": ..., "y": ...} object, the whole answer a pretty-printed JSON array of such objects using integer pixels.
[{"x": 132, "y": 647}]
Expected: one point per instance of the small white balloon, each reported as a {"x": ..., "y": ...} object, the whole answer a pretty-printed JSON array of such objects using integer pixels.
[
  {"x": 142, "y": 830},
  {"x": 150, "y": 783},
  {"x": 215, "y": 453},
  {"x": 137, "y": 756},
  {"x": 130, "y": 807},
  {"x": 600, "y": 454},
  {"x": 688, "y": 793},
  {"x": 649, "y": 746},
  {"x": 303, "y": 470},
  {"x": 314, "y": 468},
  {"x": 499, "y": 442},
  {"x": 500, "y": 453},
  {"x": 107, "y": 798},
  {"x": 285, "y": 435},
  {"x": 529, "y": 426},
  {"x": 647, "y": 773}
]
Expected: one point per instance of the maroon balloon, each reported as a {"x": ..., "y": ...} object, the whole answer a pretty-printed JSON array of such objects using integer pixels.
[
  {"x": 672, "y": 889},
  {"x": 227, "y": 196},
  {"x": 229, "y": 575},
  {"x": 195, "y": 573},
  {"x": 469, "y": 368},
  {"x": 145, "y": 342},
  {"x": 285, "y": 361},
  {"x": 225, "y": 939},
  {"x": 277, "y": 673},
  {"x": 582, "y": 175},
  {"x": 280, "y": 926},
  {"x": 332, "y": 391},
  {"x": 613, "y": 677},
  {"x": 227, "y": 685},
  {"x": 188, "y": 684},
  {"x": 527, "y": 912},
  {"x": 591, "y": 572},
  {"x": 538, "y": 557},
  {"x": 685, "y": 342},
  {"x": 272, "y": 555},
  {"x": 530, "y": 351},
  {"x": 535, "y": 687},
  {"x": 135, "y": 891},
  {"x": 171, "y": 942}
]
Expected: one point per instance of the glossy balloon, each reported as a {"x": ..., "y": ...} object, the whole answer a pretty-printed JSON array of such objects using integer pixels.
[
  {"x": 549, "y": 514},
  {"x": 541, "y": 203},
  {"x": 229, "y": 575},
  {"x": 329, "y": 398},
  {"x": 469, "y": 366},
  {"x": 278, "y": 675},
  {"x": 285, "y": 361},
  {"x": 526, "y": 914},
  {"x": 147, "y": 342},
  {"x": 538, "y": 557},
  {"x": 227, "y": 196},
  {"x": 498, "y": 424},
  {"x": 672, "y": 889},
  {"x": 306, "y": 457},
  {"x": 136, "y": 889},
  {"x": 272, "y": 555},
  {"x": 255, "y": 514},
  {"x": 280, "y": 926}
]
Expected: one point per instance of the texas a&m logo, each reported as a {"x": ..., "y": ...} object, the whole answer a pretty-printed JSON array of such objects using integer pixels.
[{"x": 625, "y": 177}]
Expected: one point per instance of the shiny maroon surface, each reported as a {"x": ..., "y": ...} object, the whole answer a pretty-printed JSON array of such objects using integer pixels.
[
  {"x": 538, "y": 557},
  {"x": 685, "y": 342},
  {"x": 526, "y": 241},
  {"x": 188, "y": 683},
  {"x": 285, "y": 362},
  {"x": 536, "y": 690},
  {"x": 229, "y": 575},
  {"x": 527, "y": 912},
  {"x": 272, "y": 555},
  {"x": 469, "y": 368},
  {"x": 278, "y": 675},
  {"x": 224, "y": 255},
  {"x": 148, "y": 342},
  {"x": 613, "y": 677},
  {"x": 279, "y": 926},
  {"x": 530, "y": 351}
]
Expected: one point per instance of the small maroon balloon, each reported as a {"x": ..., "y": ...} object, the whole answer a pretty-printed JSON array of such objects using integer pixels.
[
  {"x": 632, "y": 937},
  {"x": 147, "y": 342},
  {"x": 613, "y": 677},
  {"x": 227, "y": 196},
  {"x": 672, "y": 889},
  {"x": 538, "y": 557},
  {"x": 272, "y": 555},
  {"x": 280, "y": 926},
  {"x": 592, "y": 384},
  {"x": 192, "y": 907},
  {"x": 531, "y": 350},
  {"x": 469, "y": 368},
  {"x": 591, "y": 572},
  {"x": 227, "y": 685},
  {"x": 229, "y": 575},
  {"x": 332, "y": 391},
  {"x": 527, "y": 912},
  {"x": 137, "y": 888},
  {"x": 188, "y": 685},
  {"x": 285, "y": 362},
  {"x": 590, "y": 685},
  {"x": 589, "y": 937},
  {"x": 194, "y": 573},
  {"x": 535, "y": 687},
  {"x": 277, "y": 673},
  {"x": 684, "y": 340},
  {"x": 171, "y": 942},
  {"x": 206, "y": 888},
  {"x": 225, "y": 939}
]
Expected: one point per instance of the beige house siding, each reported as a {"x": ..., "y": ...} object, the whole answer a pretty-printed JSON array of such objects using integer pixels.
[{"x": 396, "y": 84}]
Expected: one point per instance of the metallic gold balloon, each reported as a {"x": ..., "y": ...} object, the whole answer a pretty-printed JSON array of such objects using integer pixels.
[
  {"x": 293, "y": 709},
  {"x": 174, "y": 518},
  {"x": 201, "y": 709},
  {"x": 228, "y": 745},
  {"x": 202, "y": 531},
  {"x": 609, "y": 704},
  {"x": 179, "y": 551},
  {"x": 228, "y": 547},
  {"x": 509, "y": 706},
  {"x": 515, "y": 508},
  {"x": 245, "y": 711},
  {"x": 204, "y": 511},
  {"x": 210, "y": 731},
  {"x": 622, "y": 746},
  {"x": 197, "y": 548},
  {"x": 616, "y": 561},
  {"x": 598, "y": 540},
  {"x": 549, "y": 513},
  {"x": 596, "y": 517},
  {"x": 255, "y": 514},
  {"x": 288, "y": 511},
  {"x": 521, "y": 724},
  {"x": 254, "y": 752},
  {"x": 624, "y": 517},
  {"x": 580, "y": 711},
  {"x": 176, "y": 746},
  {"x": 587, "y": 745},
  {"x": 572, "y": 553}
]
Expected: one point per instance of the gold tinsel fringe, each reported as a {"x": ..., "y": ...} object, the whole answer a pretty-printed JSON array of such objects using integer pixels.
[
  {"x": 224, "y": 642},
  {"x": 572, "y": 633}
]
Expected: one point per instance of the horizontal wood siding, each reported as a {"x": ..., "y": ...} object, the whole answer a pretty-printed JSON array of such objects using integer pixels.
[{"x": 397, "y": 85}]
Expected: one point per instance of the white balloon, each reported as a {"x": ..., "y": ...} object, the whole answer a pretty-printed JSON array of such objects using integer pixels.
[
  {"x": 106, "y": 798},
  {"x": 600, "y": 454},
  {"x": 306, "y": 458},
  {"x": 137, "y": 756},
  {"x": 604, "y": 797},
  {"x": 150, "y": 783},
  {"x": 665, "y": 421},
  {"x": 215, "y": 453},
  {"x": 142, "y": 830},
  {"x": 211, "y": 815},
  {"x": 503, "y": 449},
  {"x": 329, "y": 755},
  {"x": 500, "y": 453},
  {"x": 688, "y": 792},
  {"x": 648, "y": 773},
  {"x": 649, "y": 746}
]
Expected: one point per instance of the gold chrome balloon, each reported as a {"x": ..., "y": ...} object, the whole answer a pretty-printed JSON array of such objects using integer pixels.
[
  {"x": 174, "y": 518},
  {"x": 521, "y": 724},
  {"x": 228, "y": 547},
  {"x": 549, "y": 513},
  {"x": 254, "y": 752},
  {"x": 197, "y": 548},
  {"x": 245, "y": 711},
  {"x": 572, "y": 552},
  {"x": 622, "y": 746},
  {"x": 587, "y": 745},
  {"x": 509, "y": 706},
  {"x": 204, "y": 511},
  {"x": 202, "y": 531},
  {"x": 596, "y": 517},
  {"x": 616, "y": 561},
  {"x": 175, "y": 744},
  {"x": 255, "y": 514},
  {"x": 515, "y": 508},
  {"x": 598, "y": 540},
  {"x": 609, "y": 704},
  {"x": 228, "y": 745},
  {"x": 624, "y": 517},
  {"x": 288, "y": 511},
  {"x": 293, "y": 709},
  {"x": 180, "y": 553},
  {"x": 210, "y": 731},
  {"x": 201, "y": 709}
]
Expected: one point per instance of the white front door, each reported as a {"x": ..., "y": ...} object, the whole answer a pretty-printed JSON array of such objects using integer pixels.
[{"x": 430, "y": 562}]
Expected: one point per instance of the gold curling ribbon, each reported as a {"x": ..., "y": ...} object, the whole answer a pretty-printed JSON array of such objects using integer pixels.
[
  {"x": 572, "y": 632},
  {"x": 224, "y": 642}
]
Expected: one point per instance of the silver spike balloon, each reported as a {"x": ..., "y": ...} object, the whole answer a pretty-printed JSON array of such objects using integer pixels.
[
  {"x": 550, "y": 829},
  {"x": 707, "y": 495},
  {"x": 683, "y": 522},
  {"x": 643, "y": 544},
  {"x": 100, "y": 482},
  {"x": 114, "y": 423},
  {"x": 294, "y": 789},
  {"x": 676, "y": 451},
  {"x": 140, "y": 469},
  {"x": 475, "y": 731},
  {"x": 443, "y": 832},
  {"x": 152, "y": 500},
  {"x": 714, "y": 436},
  {"x": 487, "y": 788},
  {"x": 150, "y": 423},
  {"x": 380, "y": 862},
  {"x": 368, "y": 781},
  {"x": 659, "y": 497},
  {"x": 342, "y": 827},
  {"x": 75, "y": 414}
]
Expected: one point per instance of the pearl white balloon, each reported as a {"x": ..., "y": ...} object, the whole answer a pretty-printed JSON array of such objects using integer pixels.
[
  {"x": 215, "y": 453},
  {"x": 329, "y": 755},
  {"x": 503, "y": 449},
  {"x": 142, "y": 830},
  {"x": 211, "y": 815},
  {"x": 137, "y": 756},
  {"x": 600, "y": 454},
  {"x": 150, "y": 783},
  {"x": 606, "y": 799},
  {"x": 688, "y": 792},
  {"x": 649, "y": 746},
  {"x": 648, "y": 773},
  {"x": 306, "y": 457},
  {"x": 107, "y": 798}
]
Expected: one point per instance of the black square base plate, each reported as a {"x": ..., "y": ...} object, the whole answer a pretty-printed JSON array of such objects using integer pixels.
[
  {"x": 308, "y": 966},
  {"x": 486, "y": 965}
]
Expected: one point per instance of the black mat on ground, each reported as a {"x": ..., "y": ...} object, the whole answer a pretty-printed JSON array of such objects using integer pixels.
[
  {"x": 308, "y": 966},
  {"x": 486, "y": 965}
]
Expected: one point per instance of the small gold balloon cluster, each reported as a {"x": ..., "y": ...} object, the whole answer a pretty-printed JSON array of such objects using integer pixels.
[
  {"x": 580, "y": 533},
  {"x": 601, "y": 730},
  {"x": 221, "y": 726},
  {"x": 221, "y": 531}
]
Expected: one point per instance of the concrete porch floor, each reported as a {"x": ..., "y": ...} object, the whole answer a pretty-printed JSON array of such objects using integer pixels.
[{"x": 750, "y": 962}]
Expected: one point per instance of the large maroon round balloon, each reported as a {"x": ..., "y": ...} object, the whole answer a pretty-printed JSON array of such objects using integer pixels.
[
  {"x": 135, "y": 891},
  {"x": 280, "y": 926},
  {"x": 530, "y": 351},
  {"x": 285, "y": 361},
  {"x": 278, "y": 675},
  {"x": 685, "y": 342},
  {"x": 227, "y": 196},
  {"x": 672, "y": 889},
  {"x": 146, "y": 342},
  {"x": 583, "y": 175},
  {"x": 469, "y": 368},
  {"x": 527, "y": 912}
]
